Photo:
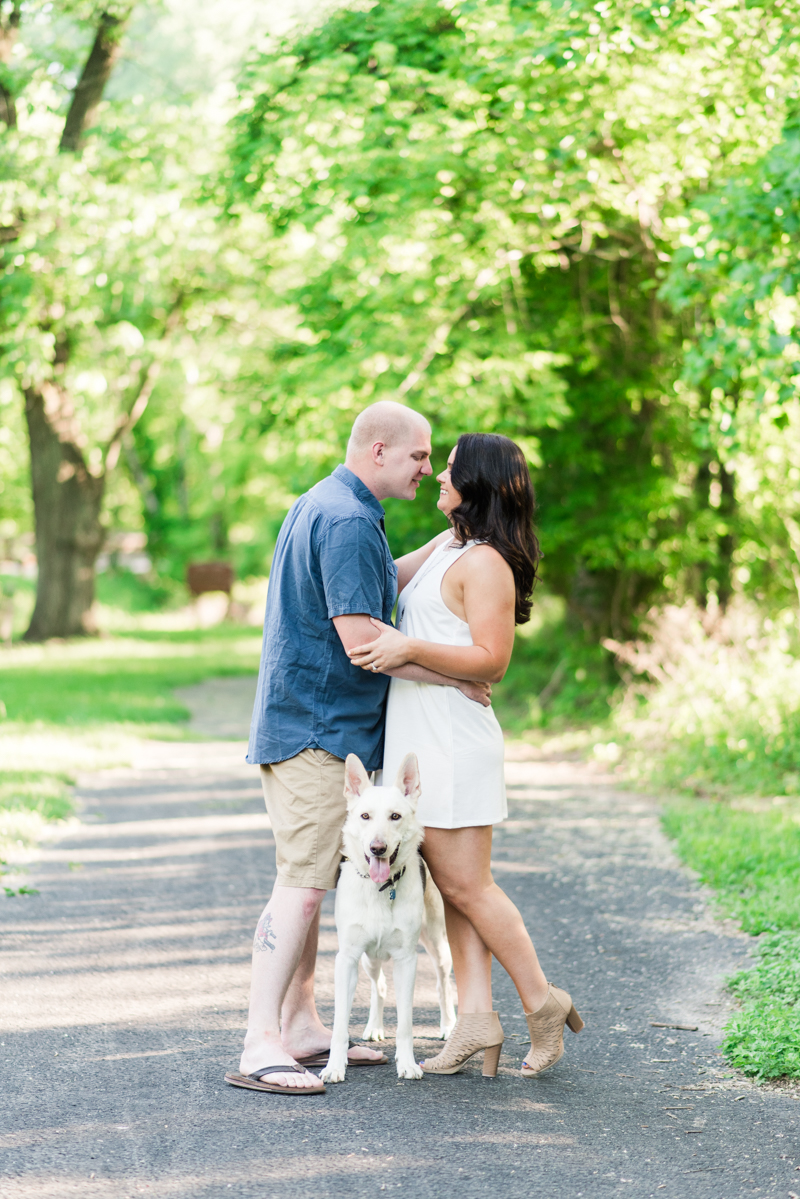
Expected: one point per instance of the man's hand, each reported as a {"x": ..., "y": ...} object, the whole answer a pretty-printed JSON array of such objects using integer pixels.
[{"x": 481, "y": 693}]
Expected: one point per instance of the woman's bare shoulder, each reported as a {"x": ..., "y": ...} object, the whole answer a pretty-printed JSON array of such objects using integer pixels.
[{"x": 485, "y": 562}]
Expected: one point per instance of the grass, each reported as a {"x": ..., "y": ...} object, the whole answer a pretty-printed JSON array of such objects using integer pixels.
[
  {"x": 752, "y": 860},
  {"x": 84, "y": 705},
  {"x": 121, "y": 680},
  {"x": 713, "y": 712},
  {"x": 36, "y": 791}
]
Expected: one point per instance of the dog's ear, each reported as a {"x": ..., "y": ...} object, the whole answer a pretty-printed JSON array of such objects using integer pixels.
[
  {"x": 356, "y": 779},
  {"x": 408, "y": 778}
]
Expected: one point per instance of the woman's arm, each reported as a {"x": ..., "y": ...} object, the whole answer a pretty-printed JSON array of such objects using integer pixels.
[
  {"x": 409, "y": 564},
  {"x": 489, "y": 604},
  {"x": 361, "y": 628}
]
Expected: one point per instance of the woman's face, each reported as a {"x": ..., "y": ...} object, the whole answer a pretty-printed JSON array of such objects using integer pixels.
[{"x": 449, "y": 498}]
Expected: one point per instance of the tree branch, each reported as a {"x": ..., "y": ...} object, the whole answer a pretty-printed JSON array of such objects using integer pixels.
[
  {"x": 141, "y": 397},
  {"x": 435, "y": 346},
  {"x": 94, "y": 77}
]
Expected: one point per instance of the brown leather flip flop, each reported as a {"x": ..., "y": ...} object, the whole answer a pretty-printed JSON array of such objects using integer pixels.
[
  {"x": 321, "y": 1059},
  {"x": 253, "y": 1082}
]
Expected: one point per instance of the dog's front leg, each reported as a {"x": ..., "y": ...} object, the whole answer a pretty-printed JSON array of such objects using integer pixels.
[
  {"x": 377, "y": 999},
  {"x": 345, "y": 979},
  {"x": 405, "y": 973}
]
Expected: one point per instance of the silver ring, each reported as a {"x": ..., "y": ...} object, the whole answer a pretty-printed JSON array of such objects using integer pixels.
[{"x": 374, "y": 667}]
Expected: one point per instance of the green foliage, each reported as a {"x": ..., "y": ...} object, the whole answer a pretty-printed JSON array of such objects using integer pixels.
[
  {"x": 752, "y": 860},
  {"x": 470, "y": 207},
  {"x": 131, "y": 593},
  {"x": 718, "y": 714},
  {"x": 738, "y": 276},
  {"x": 557, "y": 677},
  {"x": 763, "y": 1039}
]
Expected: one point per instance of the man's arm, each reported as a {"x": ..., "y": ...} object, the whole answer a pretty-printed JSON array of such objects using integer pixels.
[{"x": 358, "y": 630}]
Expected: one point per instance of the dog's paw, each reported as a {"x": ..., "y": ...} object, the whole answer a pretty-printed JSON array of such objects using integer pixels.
[
  {"x": 373, "y": 1034},
  {"x": 412, "y": 1070},
  {"x": 444, "y": 1032},
  {"x": 330, "y": 1074}
]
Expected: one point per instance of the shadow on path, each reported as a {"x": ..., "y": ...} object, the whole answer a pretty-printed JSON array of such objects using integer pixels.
[{"x": 124, "y": 996}]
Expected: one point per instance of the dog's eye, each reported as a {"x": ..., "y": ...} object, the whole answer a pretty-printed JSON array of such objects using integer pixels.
[
  {"x": 365, "y": 815},
  {"x": 395, "y": 816}
]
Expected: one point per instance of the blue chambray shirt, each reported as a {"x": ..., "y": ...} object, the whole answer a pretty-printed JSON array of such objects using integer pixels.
[{"x": 332, "y": 559}]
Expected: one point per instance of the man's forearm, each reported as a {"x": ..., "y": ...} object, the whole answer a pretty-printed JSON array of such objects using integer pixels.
[{"x": 421, "y": 674}]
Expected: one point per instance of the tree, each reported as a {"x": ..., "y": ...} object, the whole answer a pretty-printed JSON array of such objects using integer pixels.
[
  {"x": 110, "y": 264},
  {"x": 473, "y": 207},
  {"x": 738, "y": 277}
]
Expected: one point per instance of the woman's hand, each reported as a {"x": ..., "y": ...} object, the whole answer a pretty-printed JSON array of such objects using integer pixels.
[{"x": 388, "y": 651}]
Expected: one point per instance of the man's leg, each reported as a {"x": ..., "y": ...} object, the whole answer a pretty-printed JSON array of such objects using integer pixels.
[
  {"x": 302, "y": 1031},
  {"x": 284, "y": 937},
  {"x": 305, "y": 803}
]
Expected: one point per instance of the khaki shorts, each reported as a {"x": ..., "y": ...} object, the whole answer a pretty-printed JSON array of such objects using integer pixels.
[{"x": 306, "y": 806}]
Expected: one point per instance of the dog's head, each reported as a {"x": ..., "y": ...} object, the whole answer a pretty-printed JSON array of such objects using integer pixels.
[{"x": 381, "y": 821}]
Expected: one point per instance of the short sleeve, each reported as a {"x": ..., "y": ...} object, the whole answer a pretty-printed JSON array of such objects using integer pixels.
[{"x": 351, "y": 555}]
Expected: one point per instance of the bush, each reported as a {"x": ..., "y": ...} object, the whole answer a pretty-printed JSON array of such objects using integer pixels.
[
  {"x": 556, "y": 677},
  {"x": 714, "y": 707}
]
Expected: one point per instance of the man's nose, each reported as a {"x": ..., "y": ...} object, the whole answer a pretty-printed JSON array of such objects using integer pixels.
[
  {"x": 377, "y": 848},
  {"x": 427, "y": 469}
]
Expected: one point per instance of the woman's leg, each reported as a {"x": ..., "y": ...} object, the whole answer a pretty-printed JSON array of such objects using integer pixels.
[
  {"x": 460, "y": 863},
  {"x": 472, "y": 963}
]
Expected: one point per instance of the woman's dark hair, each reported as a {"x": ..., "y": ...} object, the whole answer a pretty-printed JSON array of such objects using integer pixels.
[{"x": 497, "y": 506}]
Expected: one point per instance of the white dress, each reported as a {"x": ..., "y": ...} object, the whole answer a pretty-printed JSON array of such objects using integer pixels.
[{"x": 458, "y": 742}]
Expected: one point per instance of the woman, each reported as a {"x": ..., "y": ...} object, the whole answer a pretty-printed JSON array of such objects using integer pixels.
[{"x": 460, "y": 598}]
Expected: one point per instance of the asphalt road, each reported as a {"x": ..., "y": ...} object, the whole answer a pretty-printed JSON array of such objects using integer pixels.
[{"x": 124, "y": 995}]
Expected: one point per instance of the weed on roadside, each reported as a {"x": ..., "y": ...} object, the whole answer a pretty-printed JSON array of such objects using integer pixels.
[{"x": 752, "y": 860}]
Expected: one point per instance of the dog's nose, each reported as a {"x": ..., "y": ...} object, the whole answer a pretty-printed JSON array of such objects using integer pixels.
[{"x": 377, "y": 848}]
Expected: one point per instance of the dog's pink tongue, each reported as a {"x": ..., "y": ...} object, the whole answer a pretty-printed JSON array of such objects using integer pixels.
[{"x": 379, "y": 869}]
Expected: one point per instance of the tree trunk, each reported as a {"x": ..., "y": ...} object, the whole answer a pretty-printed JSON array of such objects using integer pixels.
[
  {"x": 94, "y": 77},
  {"x": 9, "y": 30},
  {"x": 67, "y": 501}
]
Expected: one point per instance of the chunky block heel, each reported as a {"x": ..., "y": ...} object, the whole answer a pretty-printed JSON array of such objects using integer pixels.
[
  {"x": 546, "y": 1027},
  {"x": 473, "y": 1032},
  {"x": 491, "y": 1057},
  {"x": 574, "y": 1020}
]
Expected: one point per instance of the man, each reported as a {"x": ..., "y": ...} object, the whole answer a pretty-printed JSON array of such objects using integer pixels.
[{"x": 332, "y": 570}]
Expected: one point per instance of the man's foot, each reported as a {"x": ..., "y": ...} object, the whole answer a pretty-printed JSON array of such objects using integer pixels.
[
  {"x": 311, "y": 1042},
  {"x": 269, "y": 1051}
]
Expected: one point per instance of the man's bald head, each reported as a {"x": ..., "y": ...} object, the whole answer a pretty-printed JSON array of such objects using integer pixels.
[
  {"x": 390, "y": 449},
  {"x": 386, "y": 421}
]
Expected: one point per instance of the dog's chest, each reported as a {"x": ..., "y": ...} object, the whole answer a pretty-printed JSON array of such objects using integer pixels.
[{"x": 376, "y": 924}]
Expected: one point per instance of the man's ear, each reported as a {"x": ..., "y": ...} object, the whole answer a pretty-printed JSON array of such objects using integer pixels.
[
  {"x": 408, "y": 778},
  {"x": 356, "y": 779}
]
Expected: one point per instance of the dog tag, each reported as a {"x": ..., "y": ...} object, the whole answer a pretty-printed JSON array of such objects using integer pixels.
[{"x": 393, "y": 894}]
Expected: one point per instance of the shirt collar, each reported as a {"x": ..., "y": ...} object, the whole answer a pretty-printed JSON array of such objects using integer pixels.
[{"x": 361, "y": 492}]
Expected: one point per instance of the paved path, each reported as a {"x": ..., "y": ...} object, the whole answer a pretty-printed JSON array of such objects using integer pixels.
[{"x": 125, "y": 989}]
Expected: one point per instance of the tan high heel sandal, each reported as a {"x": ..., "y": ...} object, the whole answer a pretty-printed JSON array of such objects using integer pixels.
[
  {"x": 546, "y": 1026},
  {"x": 473, "y": 1032}
]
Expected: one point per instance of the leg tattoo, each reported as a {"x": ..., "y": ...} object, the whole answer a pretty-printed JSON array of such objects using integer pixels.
[{"x": 266, "y": 936}]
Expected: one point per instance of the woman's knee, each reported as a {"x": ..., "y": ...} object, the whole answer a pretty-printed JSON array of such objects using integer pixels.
[{"x": 463, "y": 894}]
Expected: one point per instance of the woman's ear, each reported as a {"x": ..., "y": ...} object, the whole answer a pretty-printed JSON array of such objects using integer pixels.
[{"x": 356, "y": 779}]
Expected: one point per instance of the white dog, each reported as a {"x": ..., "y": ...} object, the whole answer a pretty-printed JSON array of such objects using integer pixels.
[{"x": 385, "y": 904}]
